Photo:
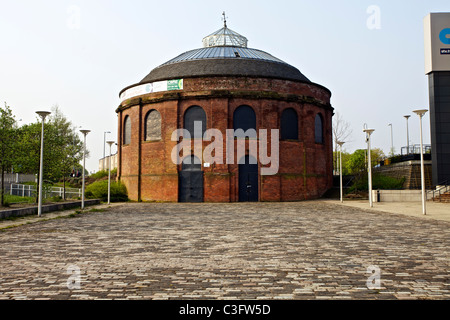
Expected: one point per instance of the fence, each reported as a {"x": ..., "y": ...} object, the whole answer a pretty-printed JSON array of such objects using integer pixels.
[
  {"x": 23, "y": 190},
  {"x": 18, "y": 178}
]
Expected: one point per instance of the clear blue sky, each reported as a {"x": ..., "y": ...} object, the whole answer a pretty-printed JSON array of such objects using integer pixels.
[{"x": 49, "y": 57}]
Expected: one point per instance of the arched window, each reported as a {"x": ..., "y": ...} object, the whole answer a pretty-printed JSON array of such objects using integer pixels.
[
  {"x": 318, "y": 132},
  {"x": 289, "y": 125},
  {"x": 127, "y": 130},
  {"x": 153, "y": 126},
  {"x": 244, "y": 118},
  {"x": 195, "y": 114}
]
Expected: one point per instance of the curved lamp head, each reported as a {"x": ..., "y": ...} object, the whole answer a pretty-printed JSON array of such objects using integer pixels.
[
  {"x": 43, "y": 114},
  {"x": 110, "y": 143},
  {"x": 369, "y": 131},
  {"x": 420, "y": 112},
  {"x": 340, "y": 143},
  {"x": 85, "y": 132}
]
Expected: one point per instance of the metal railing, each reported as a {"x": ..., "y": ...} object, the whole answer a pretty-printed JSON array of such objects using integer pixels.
[
  {"x": 23, "y": 190},
  {"x": 438, "y": 190}
]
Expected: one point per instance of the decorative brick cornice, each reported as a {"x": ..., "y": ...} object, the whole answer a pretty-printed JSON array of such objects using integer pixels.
[{"x": 226, "y": 94}]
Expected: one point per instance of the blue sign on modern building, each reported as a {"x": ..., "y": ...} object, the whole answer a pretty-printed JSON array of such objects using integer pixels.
[{"x": 444, "y": 36}]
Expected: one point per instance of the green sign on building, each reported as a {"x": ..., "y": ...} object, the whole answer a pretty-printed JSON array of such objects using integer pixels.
[{"x": 175, "y": 84}]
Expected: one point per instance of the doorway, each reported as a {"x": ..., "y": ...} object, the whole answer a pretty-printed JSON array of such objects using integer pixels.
[
  {"x": 190, "y": 180},
  {"x": 248, "y": 179}
]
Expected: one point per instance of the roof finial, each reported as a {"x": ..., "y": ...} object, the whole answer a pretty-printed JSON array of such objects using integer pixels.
[{"x": 224, "y": 20}]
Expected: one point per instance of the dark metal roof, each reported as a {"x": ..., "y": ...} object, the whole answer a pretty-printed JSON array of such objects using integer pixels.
[{"x": 225, "y": 61}]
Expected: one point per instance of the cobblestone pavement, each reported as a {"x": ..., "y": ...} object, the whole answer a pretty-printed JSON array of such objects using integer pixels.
[{"x": 305, "y": 250}]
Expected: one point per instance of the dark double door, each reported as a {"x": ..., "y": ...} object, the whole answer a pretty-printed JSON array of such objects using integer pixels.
[
  {"x": 248, "y": 181},
  {"x": 190, "y": 186},
  {"x": 190, "y": 181}
]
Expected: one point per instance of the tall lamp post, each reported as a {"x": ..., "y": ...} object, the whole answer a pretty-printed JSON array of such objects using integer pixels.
[
  {"x": 369, "y": 164},
  {"x": 392, "y": 139},
  {"x": 84, "y": 132},
  {"x": 43, "y": 115},
  {"x": 407, "y": 133},
  {"x": 340, "y": 143},
  {"x": 421, "y": 113},
  {"x": 104, "y": 143},
  {"x": 109, "y": 171}
]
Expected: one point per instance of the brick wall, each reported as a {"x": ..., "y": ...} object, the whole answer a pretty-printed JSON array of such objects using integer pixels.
[{"x": 305, "y": 170}]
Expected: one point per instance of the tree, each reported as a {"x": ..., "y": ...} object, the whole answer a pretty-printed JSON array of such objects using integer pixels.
[
  {"x": 67, "y": 145},
  {"x": 345, "y": 157},
  {"x": 341, "y": 132},
  {"x": 7, "y": 144},
  {"x": 357, "y": 162},
  {"x": 62, "y": 147}
]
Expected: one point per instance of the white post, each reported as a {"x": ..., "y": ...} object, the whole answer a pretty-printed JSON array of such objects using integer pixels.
[
  {"x": 392, "y": 139},
  {"x": 340, "y": 143},
  {"x": 420, "y": 113},
  {"x": 84, "y": 132},
  {"x": 109, "y": 172},
  {"x": 42, "y": 114},
  {"x": 104, "y": 144},
  {"x": 369, "y": 132},
  {"x": 407, "y": 133},
  {"x": 370, "y": 176},
  {"x": 41, "y": 170}
]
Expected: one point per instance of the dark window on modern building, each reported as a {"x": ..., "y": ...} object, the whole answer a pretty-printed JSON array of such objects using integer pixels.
[
  {"x": 289, "y": 125},
  {"x": 127, "y": 130},
  {"x": 318, "y": 129},
  {"x": 153, "y": 126},
  {"x": 244, "y": 118},
  {"x": 192, "y": 115}
]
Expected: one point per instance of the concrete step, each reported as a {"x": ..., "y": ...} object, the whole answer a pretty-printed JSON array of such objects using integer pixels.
[{"x": 445, "y": 197}]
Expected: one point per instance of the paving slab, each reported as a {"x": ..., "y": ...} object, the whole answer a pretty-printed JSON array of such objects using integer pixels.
[
  {"x": 294, "y": 251},
  {"x": 434, "y": 210}
]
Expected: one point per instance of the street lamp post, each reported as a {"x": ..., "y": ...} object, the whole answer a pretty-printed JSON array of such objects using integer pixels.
[
  {"x": 369, "y": 165},
  {"x": 340, "y": 143},
  {"x": 43, "y": 115},
  {"x": 84, "y": 132},
  {"x": 392, "y": 139},
  {"x": 109, "y": 171},
  {"x": 407, "y": 133},
  {"x": 104, "y": 143},
  {"x": 421, "y": 113}
]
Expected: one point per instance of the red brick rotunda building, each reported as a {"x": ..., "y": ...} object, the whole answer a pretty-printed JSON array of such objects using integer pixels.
[{"x": 225, "y": 85}]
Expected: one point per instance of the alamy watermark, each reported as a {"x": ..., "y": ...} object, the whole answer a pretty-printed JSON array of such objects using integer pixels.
[
  {"x": 73, "y": 21},
  {"x": 214, "y": 153},
  {"x": 374, "y": 20},
  {"x": 74, "y": 280},
  {"x": 374, "y": 280}
]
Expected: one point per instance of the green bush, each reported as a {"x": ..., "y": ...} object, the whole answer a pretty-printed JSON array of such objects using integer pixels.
[
  {"x": 99, "y": 190},
  {"x": 379, "y": 182},
  {"x": 99, "y": 174},
  {"x": 18, "y": 199}
]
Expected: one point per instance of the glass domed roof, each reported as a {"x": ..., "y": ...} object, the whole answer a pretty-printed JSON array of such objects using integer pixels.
[
  {"x": 224, "y": 53},
  {"x": 222, "y": 44},
  {"x": 225, "y": 37}
]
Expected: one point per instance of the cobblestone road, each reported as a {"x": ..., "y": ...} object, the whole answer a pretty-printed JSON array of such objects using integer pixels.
[{"x": 307, "y": 250}]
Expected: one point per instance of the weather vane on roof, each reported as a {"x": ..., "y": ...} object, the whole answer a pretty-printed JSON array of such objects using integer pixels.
[{"x": 224, "y": 19}]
